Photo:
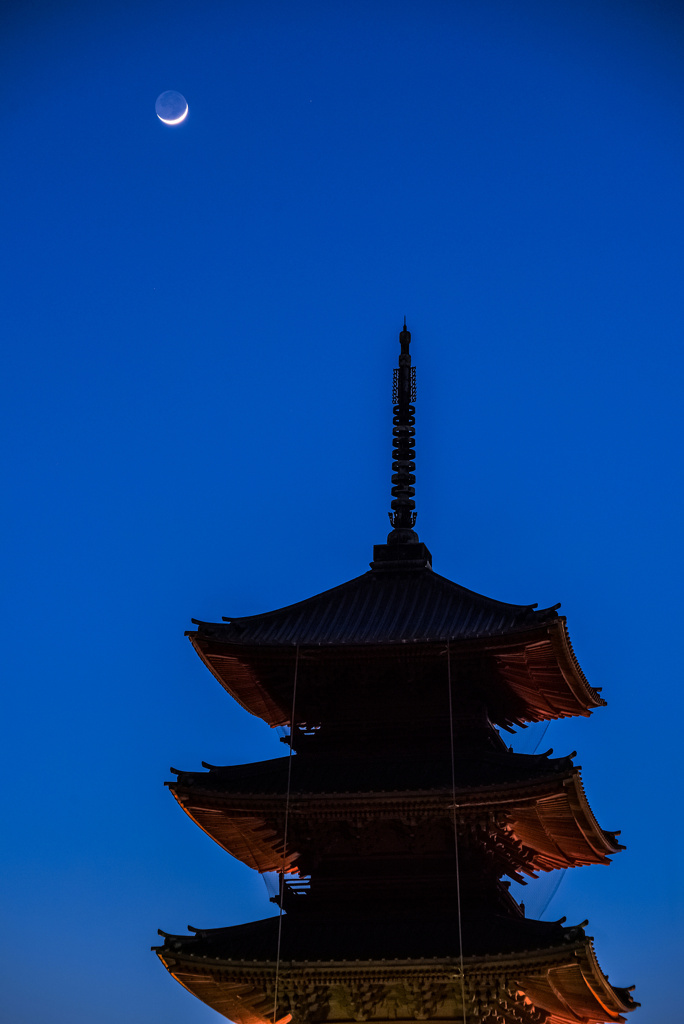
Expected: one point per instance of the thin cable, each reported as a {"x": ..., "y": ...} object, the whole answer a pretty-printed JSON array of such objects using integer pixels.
[
  {"x": 287, "y": 816},
  {"x": 453, "y": 797},
  {"x": 541, "y": 737}
]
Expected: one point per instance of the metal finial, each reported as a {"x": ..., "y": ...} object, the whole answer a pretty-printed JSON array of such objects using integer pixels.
[{"x": 403, "y": 514}]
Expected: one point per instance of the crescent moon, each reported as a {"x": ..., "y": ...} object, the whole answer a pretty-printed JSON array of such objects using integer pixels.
[{"x": 176, "y": 120}]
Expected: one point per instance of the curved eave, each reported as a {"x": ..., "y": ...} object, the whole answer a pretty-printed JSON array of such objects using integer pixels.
[
  {"x": 537, "y": 669},
  {"x": 562, "y": 830},
  {"x": 579, "y": 991},
  {"x": 232, "y": 666},
  {"x": 381, "y": 607},
  {"x": 550, "y": 817},
  {"x": 236, "y": 1000},
  {"x": 245, "y": 836},
  {"x": 565, "y": 983},
  {"x": 546, "y": 677}
]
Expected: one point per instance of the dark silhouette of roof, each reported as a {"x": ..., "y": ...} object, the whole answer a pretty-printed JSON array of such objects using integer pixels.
[
  {"x": 375, "y": 937},
  {"x": 473, "y": 769},
  {"x": 383, "y": 607},
  {"x": 528, "y": 670}
]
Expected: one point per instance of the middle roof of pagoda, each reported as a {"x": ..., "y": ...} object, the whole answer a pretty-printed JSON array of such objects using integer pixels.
[
  {"x": 383, "y": 607},
  {"x": 474, "y": 770},
  {"x": 541, "y": 799}
]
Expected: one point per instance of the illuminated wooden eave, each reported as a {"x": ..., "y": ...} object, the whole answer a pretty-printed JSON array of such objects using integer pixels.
[
  {"x": 533, "y": 669},
  {"x": 562, "y": 828},
  {"x": 238, "y": 678},
  {"x": 564, "y": 982},
  {"x": 550, "y": 817},
  {"x": 537, "y": 666},
  {"x": 578, "y": 991}
]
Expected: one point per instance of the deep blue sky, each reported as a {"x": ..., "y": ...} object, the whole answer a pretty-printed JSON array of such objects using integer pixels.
[{"x": 200, "y": 324}]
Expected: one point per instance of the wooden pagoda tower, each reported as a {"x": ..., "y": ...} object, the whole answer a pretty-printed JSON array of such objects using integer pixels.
[{"x": 399, "y": 810}]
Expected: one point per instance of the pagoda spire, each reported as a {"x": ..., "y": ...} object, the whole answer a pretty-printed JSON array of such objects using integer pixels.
[
  {"x": 403, "y": 545},
  {"x": 403, "y": 514}
]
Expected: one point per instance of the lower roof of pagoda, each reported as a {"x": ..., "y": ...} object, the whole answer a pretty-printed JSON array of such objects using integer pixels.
[
  {"x": 539, "y": 802},
  {"x": 387, "y": 937},
  {"x": 527, "y": 675},
  {"x": 315, "y": 773},
  {"x": 547, "y": 967}
]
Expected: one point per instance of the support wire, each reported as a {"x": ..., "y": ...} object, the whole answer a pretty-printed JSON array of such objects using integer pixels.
[
  {"x": 287, "y": 815},
  {"x": 453, "y": 797}
]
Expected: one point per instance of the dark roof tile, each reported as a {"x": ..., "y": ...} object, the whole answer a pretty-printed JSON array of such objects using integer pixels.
[
  {"x": 318, "y": 937},
  {"x": 383, "y": 607},
  {"x": 386, "y": 774}
]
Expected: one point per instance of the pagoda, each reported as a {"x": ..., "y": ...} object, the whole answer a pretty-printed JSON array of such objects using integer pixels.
[{"x": 399, "y": 815}]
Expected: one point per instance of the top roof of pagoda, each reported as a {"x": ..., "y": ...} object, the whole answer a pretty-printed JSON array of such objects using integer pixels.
[
  {"x": 401, "y": 599},
  {"x": 383, "y": 607}
]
